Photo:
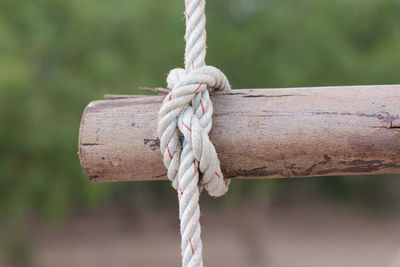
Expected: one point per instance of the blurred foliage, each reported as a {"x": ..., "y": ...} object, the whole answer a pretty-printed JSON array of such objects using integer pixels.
[{"x": 58, "y": 55}]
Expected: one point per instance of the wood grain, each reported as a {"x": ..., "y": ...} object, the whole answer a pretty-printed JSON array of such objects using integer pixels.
[{"x": 258, "y": 133}]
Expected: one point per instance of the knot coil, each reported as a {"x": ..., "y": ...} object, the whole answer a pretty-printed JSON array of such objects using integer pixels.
[{"x": 187, "y": 109}]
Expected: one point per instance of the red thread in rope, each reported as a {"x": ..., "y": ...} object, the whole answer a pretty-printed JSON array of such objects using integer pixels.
[
  {"x": 198, "y": 87},
  {"x": 216, "y": 173},
  {"x": 187, "y": 127},
  {"x": 191, "y": 245},
  {"x": 180, "y": 190},
  {"x": 202, "y": 107},
  {"x": 169, "y": 152}
]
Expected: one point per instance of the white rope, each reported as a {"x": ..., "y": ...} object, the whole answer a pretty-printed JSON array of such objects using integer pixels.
[{"x": 188, "y": 110}]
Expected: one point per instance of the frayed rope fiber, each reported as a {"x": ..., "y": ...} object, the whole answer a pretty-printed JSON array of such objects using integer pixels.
[{"x": 187, "y": 112}]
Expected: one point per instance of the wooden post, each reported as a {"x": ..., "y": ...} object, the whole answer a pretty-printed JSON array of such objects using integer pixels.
[{"x": 263, "y": 133}]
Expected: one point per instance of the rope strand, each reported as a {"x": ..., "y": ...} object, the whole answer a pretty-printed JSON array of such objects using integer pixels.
[{"x": 187, "y": 110}]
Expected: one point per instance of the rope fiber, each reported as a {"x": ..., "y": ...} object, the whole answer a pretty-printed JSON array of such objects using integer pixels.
[{"x": 186, "y": 113}]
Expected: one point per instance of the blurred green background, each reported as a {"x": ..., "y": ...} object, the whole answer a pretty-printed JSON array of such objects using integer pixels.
[{"x": 58, "y": 55}]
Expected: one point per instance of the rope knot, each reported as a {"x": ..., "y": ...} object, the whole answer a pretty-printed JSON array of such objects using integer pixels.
[
  {"x": 187, "y": 109},
  {"x": 210, "y": 76}
]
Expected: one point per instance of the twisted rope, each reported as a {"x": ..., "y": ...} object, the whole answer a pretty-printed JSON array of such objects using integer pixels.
[{"x": 187, "y": 110}]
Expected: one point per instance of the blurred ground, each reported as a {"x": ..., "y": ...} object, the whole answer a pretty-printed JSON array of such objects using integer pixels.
[{"x": 309, "y": 235}]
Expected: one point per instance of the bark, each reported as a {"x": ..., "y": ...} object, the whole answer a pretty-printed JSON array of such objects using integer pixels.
[{"x": 258, "y": 133}]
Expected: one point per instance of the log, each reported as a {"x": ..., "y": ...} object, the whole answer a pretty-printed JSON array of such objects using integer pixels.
[{"x": 258, "y": 133}]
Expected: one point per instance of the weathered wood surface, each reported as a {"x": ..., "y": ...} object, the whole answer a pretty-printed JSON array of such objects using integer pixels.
[{"x": 258, "y": 133}]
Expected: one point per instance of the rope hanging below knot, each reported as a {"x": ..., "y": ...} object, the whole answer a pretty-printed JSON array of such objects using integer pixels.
[{"x": 187, "y": 110}]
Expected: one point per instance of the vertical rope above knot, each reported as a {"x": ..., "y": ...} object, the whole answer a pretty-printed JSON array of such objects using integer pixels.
[{"x": 187, "y": 110}]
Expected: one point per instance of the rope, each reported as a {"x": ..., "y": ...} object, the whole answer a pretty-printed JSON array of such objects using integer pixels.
[{"x": 187, "y": 110}]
